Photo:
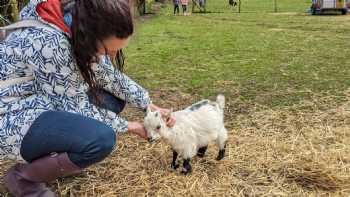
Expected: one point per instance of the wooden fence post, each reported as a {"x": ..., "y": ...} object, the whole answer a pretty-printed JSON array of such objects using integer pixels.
[{"x": 239, "y": 6}]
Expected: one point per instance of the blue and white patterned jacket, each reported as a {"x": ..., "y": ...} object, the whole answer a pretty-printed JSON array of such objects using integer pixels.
[{"x": 45, "y": 54}]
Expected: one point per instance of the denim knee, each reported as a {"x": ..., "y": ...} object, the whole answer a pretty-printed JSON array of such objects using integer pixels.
[
  {"x": 99, "y": 148},
  {"x": 85, "y": 140}
]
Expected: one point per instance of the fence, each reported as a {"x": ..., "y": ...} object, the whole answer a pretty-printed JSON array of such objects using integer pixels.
[
  {"x": 258, "y": 6},
  {"x": 9, "y": 9}
]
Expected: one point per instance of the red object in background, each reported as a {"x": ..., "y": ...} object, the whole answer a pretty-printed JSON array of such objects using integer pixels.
[{"x": 317, "y": 5}]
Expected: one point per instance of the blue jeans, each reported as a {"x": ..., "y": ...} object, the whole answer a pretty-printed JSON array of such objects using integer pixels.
[{"x": 85, "y": 140}]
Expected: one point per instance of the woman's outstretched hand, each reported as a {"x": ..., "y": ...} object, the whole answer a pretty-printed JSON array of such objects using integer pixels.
[
  {"x": 138, "y": 129},
  {"x": 166, "y": 114}
]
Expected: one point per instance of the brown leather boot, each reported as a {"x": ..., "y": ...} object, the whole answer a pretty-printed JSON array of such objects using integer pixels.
[{"x": 28, "y": 180}]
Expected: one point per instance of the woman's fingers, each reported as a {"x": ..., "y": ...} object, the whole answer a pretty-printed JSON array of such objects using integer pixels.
[
  {"x": 141, "y": 132},
  {"x": 171, "y": 122},
  {"x": 138, "y": 129}
]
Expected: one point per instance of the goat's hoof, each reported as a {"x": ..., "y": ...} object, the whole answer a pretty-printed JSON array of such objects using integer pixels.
[
  {"x": 186, "y": 172},
  {"x": 201, "y": 155},
  {"x": 174, "y": 167},
  {"x": 220, "y": 157},
  {"x": 201, "y": 151}
]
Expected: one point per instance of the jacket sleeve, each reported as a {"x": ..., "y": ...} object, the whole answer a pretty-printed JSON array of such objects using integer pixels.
[{"x": 120, "y": 85}]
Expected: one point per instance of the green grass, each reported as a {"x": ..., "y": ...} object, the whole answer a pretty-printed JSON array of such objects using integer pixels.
[{"x": 273, "y": 59}]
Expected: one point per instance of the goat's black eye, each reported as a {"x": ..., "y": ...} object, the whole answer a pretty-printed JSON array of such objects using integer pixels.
[{"x": 158, "y": 127}]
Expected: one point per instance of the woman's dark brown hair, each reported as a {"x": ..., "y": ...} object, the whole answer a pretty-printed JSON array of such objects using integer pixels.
[{"x": 94, "y": 21}]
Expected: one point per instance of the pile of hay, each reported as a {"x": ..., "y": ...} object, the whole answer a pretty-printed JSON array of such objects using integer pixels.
[{"x": 301, "y": 150}]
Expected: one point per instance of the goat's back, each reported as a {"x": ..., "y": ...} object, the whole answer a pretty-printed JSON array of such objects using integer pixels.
[{"x": 203, "y": 119}]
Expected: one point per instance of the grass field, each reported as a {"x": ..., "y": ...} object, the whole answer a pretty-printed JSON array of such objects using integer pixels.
[
  {"x": 286, "y": 77},
  {"x": 283, "y": 56}
]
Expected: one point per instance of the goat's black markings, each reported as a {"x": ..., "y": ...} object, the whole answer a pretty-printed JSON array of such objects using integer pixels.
[
  {"x": 173, "y": 164},
  {"x": 201, "y": 151},
  {"x": 198, "y": 105},
  {"x": 187, "y": 166},
  {"x": 221, "y": 154}
]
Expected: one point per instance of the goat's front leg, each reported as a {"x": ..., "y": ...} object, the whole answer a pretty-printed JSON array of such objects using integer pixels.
[
  {"x": 174, "y": 165},
  {"x": 187, "y": 168}
]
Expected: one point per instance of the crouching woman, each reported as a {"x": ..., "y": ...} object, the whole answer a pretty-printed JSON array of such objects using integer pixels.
[{"x": 62, "y": 88}]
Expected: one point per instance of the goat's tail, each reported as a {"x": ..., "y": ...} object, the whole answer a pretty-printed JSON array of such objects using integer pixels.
[{"x": 220, "y": 99}]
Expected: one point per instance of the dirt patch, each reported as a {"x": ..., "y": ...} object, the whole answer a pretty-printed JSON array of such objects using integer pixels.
[{"x": 311, "y": 176}]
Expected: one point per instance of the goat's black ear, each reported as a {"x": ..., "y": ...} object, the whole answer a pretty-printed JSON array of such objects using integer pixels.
[{"x": 156, "y": 114}]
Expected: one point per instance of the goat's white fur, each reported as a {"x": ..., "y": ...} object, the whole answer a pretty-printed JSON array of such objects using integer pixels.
[{"x": 194, "y": 128}]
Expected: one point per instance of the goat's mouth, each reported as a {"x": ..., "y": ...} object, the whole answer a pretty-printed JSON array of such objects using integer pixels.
[{"x": 151, "y": 140}]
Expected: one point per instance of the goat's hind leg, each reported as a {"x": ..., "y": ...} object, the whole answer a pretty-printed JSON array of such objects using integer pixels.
[
  {"x": 221, "y": 142},
  {"x": 174, "y": 165},
  {"x": 221, "y": 154},
  {"x": 201, "y": 151}
]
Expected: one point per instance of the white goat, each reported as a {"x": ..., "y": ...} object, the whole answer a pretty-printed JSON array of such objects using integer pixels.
[{"x": 196, "y": 126}]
